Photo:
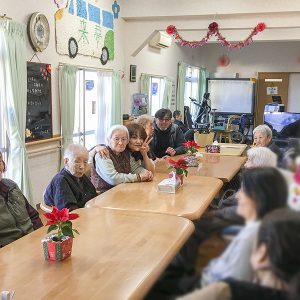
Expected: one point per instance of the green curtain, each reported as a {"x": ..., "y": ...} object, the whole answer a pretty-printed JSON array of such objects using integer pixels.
[
  {"x": 145, "y": 84},
  {"x": 67, "y": 103},
  {"x": 13, "y": 86},
  {"x": 182, "y": 67},
  {"x": 116, "y": 108},
  {"x": 167, "y": 97},
  {"x": 203, "y": 74}
]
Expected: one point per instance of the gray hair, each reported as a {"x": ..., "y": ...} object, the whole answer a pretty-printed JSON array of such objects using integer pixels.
[
  {"x": 262, "y": 157},
  {"x": 73, "y": 150},
  {"x": 144, "y": 120},
  {"x": 114, "y": 128},
  {"x": 264, "y": 129}
]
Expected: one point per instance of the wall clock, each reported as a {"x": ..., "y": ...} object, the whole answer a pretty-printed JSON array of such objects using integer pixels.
[{"x": 38, "y": 31}]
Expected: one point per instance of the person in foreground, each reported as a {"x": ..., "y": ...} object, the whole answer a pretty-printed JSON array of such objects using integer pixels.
[
  {"x": 275, "y": 261},
  {"x": 17, "y": 216},
  {"x": 168, "y": 137},
  {"x": 262, "y": 190},
  {"x": 70, "y": 187},
  {"x": 121, "y": 166}
]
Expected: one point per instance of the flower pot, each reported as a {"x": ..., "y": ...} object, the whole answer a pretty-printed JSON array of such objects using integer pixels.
[
  {"x": 57, "y": 250},
  {"x": 191, "y": 160}
]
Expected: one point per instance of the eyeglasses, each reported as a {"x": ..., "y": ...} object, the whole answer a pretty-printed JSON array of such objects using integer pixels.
[
  {"x": 164, "y": 120},
  {"x": 122, "y": 140}
]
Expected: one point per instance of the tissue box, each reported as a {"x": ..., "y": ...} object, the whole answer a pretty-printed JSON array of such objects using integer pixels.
[
  {"x": 168, "y": 186},
  {"x": 212, "y": 148}
]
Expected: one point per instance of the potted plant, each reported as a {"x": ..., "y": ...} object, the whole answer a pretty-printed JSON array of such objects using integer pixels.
[
  {"x": 58, "y": 246},
  {"x": 191, "y": 148},
  {"x": 180, "y": 167}
]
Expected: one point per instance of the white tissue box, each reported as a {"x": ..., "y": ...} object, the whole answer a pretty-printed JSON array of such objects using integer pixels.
[{"x": 168, "y": 186}]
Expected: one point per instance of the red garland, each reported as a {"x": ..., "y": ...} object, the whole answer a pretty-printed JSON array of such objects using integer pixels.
[{"x": 213, "y": 29}]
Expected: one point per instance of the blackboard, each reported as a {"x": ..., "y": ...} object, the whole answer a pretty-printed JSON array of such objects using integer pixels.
[
  {"x": 231, "y": 96},
  {"x": 39, "y": 104}
]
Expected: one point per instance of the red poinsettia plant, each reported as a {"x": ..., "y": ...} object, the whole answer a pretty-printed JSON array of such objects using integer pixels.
[
  {"x": 191, "y": 147},
  {"x": 60, "y": 220},
  {"x": 179, "y": 165}
]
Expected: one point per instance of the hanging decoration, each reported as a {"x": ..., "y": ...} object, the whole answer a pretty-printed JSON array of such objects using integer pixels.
[
  {"x": 115, "y": 9},
  {"x": 213, "y": 29},
  {"x": 223, "y": 61}
]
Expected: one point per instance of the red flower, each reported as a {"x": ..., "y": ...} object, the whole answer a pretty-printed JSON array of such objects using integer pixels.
[
  {"x": 171, "y": 29},
  {"x": 213, "y": 27},
  {"x": 191, "y": 147},
  {"x": 260, "y": 27},
  {"x": 61, "y": 220},
  {"x": 297, "y": 176},
  {"x": 180, "y": 166}
]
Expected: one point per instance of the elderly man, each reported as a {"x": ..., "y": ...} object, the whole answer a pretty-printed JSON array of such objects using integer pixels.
[
  {"x": 70, "y": 188},
  {"x": 262, "y": 137},
  {"x": 168, "y": 137}
]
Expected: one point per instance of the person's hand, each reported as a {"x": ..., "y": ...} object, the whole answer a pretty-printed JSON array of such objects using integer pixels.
[
  {"x": 146, "y": 175},
  {"x": 171, "y": 151},
  {"x": 103, "y": 151},
  {"x": 145, "y": 146}
]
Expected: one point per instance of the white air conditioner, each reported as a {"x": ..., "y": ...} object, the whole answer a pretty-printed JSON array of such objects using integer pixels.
[{"x": 161, "y": 40}]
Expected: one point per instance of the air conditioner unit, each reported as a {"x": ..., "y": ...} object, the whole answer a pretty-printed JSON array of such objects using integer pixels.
[{"x": 161, "y": 40}]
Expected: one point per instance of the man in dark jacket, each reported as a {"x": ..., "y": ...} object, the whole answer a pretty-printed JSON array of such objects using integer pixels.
[
  {"x": 168, "y": 137},
  {"x": 70, "y": 187},
  {"x": 178, "y": 121}
]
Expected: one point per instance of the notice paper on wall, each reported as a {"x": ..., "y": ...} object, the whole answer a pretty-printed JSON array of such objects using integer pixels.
[{"x": 272, "y": 90}]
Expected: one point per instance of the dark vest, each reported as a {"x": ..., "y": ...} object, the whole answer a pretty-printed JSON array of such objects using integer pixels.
[
  {"x": 14, "y": 219},
  {"x": 121, "y": 163}
]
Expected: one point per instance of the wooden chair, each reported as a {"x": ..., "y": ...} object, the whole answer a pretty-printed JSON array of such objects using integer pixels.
[
  {"x": 46, "y": 208},
  {"x": 226, "y": 134}
]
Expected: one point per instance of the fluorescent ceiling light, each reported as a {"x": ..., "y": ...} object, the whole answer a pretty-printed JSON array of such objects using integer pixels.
[{"x": 273, "y": 80}]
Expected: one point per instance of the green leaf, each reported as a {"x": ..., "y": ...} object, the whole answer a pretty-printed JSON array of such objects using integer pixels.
[
  {"x": 75, "y": 230},
  {"x": 67, "y": 231},
  {"x": 52, "y": 227},
  {"x": 185, "y": 172},
  {"x": 179, "y": 171},
  {"x": 67, "y": 223}
]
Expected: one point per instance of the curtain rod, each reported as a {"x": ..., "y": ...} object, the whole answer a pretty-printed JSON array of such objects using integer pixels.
[
  {"x": 85, "y": 67},
  {"x": 5, "y": 17},
  {"x": 159, "y": 76}
]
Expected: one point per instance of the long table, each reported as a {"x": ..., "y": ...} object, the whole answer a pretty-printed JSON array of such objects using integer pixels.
[
  {"x": 229, "y": 149},
  {"x": 210, "y": 165},
  {"x": 190, "y": 201},
  {"x": 118, "y": 255}
]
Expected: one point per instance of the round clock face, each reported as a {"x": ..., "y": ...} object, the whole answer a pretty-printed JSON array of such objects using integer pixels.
[{"x": 39, "y": 32}]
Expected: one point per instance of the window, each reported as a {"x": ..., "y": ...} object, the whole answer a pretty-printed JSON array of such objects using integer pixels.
[
  {"x": 191, "y": 88},
  {"x": 157, "y": 87},
  {"x": 92, "y": 107}
]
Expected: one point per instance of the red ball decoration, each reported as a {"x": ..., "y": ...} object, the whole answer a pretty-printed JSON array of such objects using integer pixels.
[
  {"x": 260, "y": 27},
  {"x": 171, "y": 29},
  {"x": 223, "y": 61},
  {"x": 213, "y": 27}
]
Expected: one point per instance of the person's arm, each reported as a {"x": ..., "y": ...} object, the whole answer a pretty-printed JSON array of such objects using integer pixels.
[
  {"x": 63, "y": 195},
  {"x": 147, "y": 162},
  {"x": 106, "y": 170},
  {"x": 34, "y": 216},
  {"x": 179, "y": 140}
]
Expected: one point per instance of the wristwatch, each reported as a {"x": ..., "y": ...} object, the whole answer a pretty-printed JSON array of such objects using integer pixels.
[{"x": 38, "y": 31}]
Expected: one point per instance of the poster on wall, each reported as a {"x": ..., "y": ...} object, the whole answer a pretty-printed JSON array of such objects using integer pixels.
[
  {"x": 272, "y": 90},
  {"x": 82, "y": 27},
  {"x": 139, "y": 104},
  {"x": 39, "y": 104}
]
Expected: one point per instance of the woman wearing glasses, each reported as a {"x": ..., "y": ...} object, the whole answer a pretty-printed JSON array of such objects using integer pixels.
[{"x": 121, "y": 166}]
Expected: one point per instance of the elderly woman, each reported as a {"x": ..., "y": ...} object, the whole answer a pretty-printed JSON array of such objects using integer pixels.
[
  {"x": 70, "y": 187},
  {"x": 17, "y": 216},
  {"x": 262, "y": 137},
  {"x": 121, "y": 166}
]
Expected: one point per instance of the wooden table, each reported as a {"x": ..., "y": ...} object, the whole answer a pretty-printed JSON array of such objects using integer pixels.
[
  {"x": 118, "y": 255},
  {"x": 229, "y": 149},
  {"x": 210, "y": 165},
  {"x": 190, "y": 201}
]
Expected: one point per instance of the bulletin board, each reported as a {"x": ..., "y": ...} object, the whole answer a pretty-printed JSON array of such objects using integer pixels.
[
  {"x": 231, "y": 96},
  {"x": 39, "y": 102}
]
